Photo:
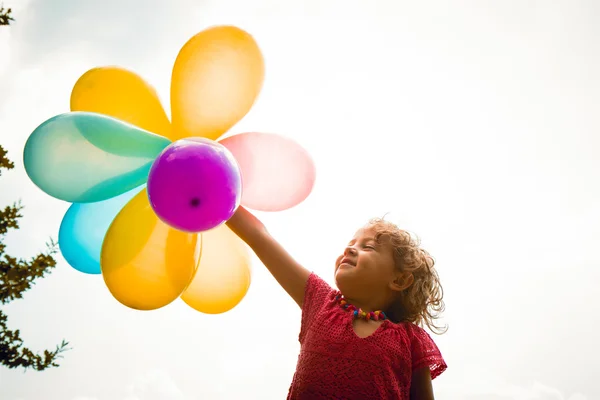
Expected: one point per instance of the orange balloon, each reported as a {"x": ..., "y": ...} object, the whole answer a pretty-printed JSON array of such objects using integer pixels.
[
  {"x": 121, "y": 94},
  {"x": 145, "y": 263},
  {"x": 223, "y": 277},
  {"x": 216, "y": 78}
]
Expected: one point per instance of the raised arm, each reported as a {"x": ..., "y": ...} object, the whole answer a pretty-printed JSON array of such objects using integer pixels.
[{"x": 290, "y": 275}]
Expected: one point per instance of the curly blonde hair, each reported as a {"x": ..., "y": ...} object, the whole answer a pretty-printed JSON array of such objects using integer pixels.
[{"x": 422, "y": 302}]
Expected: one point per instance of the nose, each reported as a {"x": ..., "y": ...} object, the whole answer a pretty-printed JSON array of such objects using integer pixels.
[{"x": 350, "y": 251}]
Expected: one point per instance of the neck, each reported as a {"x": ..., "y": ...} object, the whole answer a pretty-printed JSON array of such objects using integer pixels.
[
  {"x": 371, "y": 313},
  {"x": 368, "y": 305}
]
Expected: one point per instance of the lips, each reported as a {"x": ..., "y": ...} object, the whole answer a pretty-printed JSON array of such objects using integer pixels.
[{"x": 348, "y": 261}]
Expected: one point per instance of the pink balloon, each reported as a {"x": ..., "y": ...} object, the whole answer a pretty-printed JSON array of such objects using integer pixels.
[{"x": 277, "y": 173}]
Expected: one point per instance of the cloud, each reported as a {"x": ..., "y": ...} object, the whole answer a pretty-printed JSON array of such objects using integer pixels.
[
  {"x": 5, "y": 49},
  {"x": 578, "y": 396},
  {"x": 73, "y": 24},
  {"x": 487, "y": 386},
  {"x": 155, "y": 385},
  {"x": 537, "y": 391},
  {"x": 51, "y": 37}
]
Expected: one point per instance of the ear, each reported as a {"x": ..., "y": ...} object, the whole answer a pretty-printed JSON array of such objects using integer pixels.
[{"x": 402, "y": 281}]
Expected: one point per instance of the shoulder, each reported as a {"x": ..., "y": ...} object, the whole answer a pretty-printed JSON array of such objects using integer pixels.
[
  {"x": 319, "y": 297},
  {"x": 423, "y": 350},
  {"x": 317, "y": 290},
  {"x": 416, "y": 333},
  {"x": 315, "y": 282}
]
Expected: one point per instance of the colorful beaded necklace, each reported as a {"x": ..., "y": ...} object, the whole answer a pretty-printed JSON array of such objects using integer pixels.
[{"x": 359, "y": 313}]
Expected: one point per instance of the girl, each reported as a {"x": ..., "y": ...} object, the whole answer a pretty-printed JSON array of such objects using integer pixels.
[{"x": 363, "y": 341}]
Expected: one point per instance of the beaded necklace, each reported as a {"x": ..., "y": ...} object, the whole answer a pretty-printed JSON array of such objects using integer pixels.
[{"x": 359, "y": 313}]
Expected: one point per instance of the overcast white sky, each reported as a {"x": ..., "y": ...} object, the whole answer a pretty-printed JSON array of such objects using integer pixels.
[{"x": 474, "y": 122}]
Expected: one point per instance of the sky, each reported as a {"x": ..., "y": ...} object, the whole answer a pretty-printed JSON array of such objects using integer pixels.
[{"x": 473, "y": 123}]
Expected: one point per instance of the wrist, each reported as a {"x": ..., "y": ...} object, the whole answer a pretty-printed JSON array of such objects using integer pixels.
[{"x": 249, "y": 228}]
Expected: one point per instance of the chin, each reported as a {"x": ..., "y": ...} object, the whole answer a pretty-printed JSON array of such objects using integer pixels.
[
  {"x": 342, "y": 270},
  {"x": 344, "y": 279}
]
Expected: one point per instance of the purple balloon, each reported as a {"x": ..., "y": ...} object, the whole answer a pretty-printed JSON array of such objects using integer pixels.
[{"x": 194, "y": 185}]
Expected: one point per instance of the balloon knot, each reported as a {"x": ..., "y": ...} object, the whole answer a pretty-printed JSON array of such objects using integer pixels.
[{"x": 195, "y": 202}]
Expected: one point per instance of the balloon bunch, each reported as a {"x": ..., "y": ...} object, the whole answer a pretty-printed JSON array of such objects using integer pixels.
[{"x": 150, "y": 196}]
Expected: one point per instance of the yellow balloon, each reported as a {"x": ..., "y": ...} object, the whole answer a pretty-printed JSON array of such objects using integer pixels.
[
  {"x": 216, "y": 78},
  {"x": 223, "y": 277},
  {"x": 145, "y": 263},
  {"x": 121, "y": 94}
]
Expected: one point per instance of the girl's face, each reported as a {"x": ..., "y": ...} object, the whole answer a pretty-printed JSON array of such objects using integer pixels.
[{"x": 366, "y": 268}]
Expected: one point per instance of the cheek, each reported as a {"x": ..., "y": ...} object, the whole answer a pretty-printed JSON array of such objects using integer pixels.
[
  {"x": 389, "y": 265},
  {"x": 388, "y": 260},
  {"x": 382, "y": 264}
]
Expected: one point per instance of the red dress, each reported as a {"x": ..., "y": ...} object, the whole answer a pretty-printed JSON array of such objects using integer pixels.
[{"x": 334, "y": 363}]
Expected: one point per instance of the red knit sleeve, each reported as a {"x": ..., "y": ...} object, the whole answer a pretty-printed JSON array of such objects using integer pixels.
[
  {"x": 315, "y": 298},
  {"x": 425, "y": 353}
]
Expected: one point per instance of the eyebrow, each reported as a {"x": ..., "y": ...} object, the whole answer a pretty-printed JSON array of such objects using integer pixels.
[{"x": 364, "y": 240}]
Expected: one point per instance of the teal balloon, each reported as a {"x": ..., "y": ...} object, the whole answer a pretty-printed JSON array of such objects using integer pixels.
[
  {"x": 84, "y": 157},
  {"x": 84, "y": 227}
]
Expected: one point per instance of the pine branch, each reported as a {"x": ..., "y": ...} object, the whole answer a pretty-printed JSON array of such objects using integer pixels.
[
  {"x": 9, "y": 218},
  {"x": 16, "y": 277},
  {"x": 5, "y": 16},
  {"x": 14, "y": 355},
  {"x": 4, "y": 161}
]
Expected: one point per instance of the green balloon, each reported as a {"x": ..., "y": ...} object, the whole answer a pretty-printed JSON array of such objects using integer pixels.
[{"x": 84, "y": 157}]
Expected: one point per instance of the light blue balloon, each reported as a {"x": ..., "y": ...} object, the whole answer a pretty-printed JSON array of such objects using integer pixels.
[
  {"x": 84, "y": 227},
  {"x": 84, "y": 157}
]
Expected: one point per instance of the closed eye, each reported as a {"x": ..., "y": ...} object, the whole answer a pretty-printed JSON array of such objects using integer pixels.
[{"x": 369, "y": 247}]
